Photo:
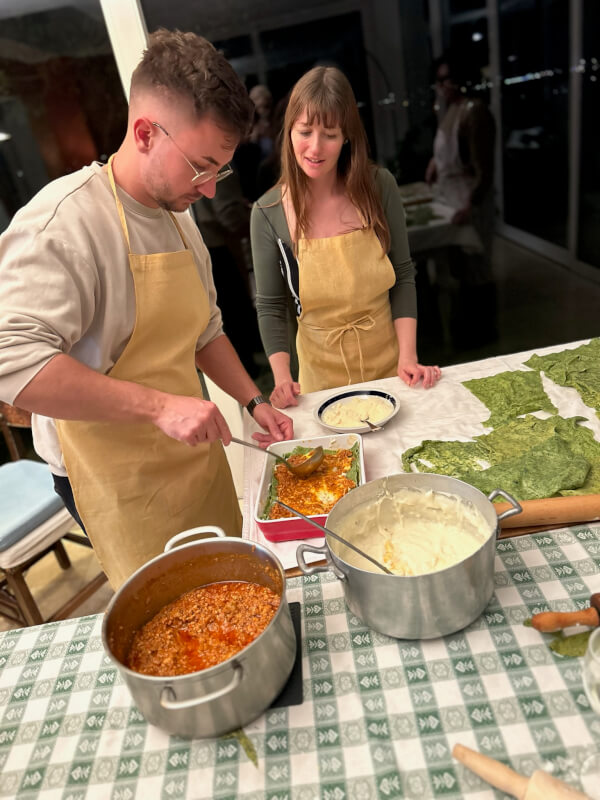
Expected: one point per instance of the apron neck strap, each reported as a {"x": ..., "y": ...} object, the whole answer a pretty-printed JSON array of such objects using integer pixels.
[
  {"x": 177, "y": 225},
  {"x": 118, "y": 203},
  {"x": 121, "y": 210}
]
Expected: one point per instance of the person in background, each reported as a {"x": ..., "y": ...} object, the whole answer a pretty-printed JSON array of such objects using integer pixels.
[
  {"x": 224, "y": 222},
  {"x": 269, "y": 169},
  {"x": 462, "y": 170},
  {"x": 257, "y": 145},
  {"x": 261, "y": 132},
  {"x": 108, "y": 307},
  {"x": 323, "y": 235}
]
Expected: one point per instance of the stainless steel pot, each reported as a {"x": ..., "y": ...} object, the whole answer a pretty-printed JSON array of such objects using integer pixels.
[
  {"x": 231, "y": 694},
  {"x": 415, "y": 606}
]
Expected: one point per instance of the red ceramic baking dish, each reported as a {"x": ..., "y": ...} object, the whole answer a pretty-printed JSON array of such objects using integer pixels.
[{"x": 288, "y": 528}]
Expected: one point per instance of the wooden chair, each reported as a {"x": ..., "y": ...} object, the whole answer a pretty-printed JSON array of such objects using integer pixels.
[
  {"x": 12, "y": 419},
  {"x": 33, "y": 523}
]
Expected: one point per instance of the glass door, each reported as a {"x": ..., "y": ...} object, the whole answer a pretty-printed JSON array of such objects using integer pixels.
[{"x": 61, "y": 101}]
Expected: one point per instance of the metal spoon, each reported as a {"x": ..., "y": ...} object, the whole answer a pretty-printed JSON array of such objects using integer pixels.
[
  {"x": 338, "y": 537},
  {"x": 372, "y": 425},
  {"x": 313, "y": 460}
]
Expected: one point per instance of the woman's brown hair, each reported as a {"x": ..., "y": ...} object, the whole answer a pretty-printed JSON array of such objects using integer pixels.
[{"x": 327, "y": 97}]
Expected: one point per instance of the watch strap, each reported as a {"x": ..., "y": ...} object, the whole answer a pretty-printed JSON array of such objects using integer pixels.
[{"x": 256, "y": 401}]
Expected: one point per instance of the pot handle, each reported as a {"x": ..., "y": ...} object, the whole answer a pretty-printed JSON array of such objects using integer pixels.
[
  {"x": 517, "y": 508},
  {"x": 192, "y": 532},
  {"x": 312, "y": 569},
  {"x": 169, "y": 702}
]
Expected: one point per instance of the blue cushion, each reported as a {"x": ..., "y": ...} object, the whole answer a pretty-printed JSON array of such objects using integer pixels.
[{"x": 27, "y": 498}]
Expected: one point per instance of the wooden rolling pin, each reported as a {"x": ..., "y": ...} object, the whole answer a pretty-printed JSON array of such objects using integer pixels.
[
  {"x": 550, "y": 621},
  {"x": 553, "y": 511},
  {"x": 540, "y": 786}
]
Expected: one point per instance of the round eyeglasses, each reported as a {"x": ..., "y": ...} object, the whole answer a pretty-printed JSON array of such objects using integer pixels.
[{"x": 200, "y": 175}]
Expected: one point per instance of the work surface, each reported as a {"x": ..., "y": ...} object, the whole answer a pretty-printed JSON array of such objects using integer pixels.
[
  {"x": 448, "y": 411},
  {"x": 379, "y": 718}
]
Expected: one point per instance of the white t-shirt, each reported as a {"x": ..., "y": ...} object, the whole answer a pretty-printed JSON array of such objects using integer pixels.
[{"x": 66, "y": 286}]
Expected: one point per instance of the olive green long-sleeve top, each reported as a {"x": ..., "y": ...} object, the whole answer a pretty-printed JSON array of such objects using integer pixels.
[{"x": 272, "y": 292}]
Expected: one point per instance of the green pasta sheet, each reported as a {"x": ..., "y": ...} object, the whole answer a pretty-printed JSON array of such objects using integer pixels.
[
  {"x": 528, "y": 457},
  {"x": 578, "y": 369},
  {"x": 518, "y": 436},
  {"x": 543, "y": 471},
  {"x": 445, "y": 458},
  {"x": 510, "y": 394}
]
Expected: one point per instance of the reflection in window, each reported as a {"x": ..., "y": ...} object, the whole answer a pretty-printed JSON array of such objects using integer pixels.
[
  {"x": 535, "y": 73},
  {"x": 470, "y": 39},
  {"x": 589, "y": 190},
  {"x": 61, "y": 100},
  {"x": 464, "y": 6}
]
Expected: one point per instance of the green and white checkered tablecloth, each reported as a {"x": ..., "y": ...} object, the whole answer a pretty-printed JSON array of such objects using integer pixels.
[{"x": 379, "y": 719}]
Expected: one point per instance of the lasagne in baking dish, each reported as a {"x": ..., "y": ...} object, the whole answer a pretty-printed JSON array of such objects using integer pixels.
[{"x": 319, "y": 492}]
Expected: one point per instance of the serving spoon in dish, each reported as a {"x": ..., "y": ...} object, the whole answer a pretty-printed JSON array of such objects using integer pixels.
[
  {"x": 372, "y": 425},
  {"x": 337, "y": 536},
  {"x": 313, "y": 460}
]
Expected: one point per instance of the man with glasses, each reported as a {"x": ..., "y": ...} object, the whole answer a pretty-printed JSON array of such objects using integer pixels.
[{"x": 107, "y": 306}]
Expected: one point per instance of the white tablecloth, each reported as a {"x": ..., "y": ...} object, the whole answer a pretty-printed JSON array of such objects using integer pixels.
[{"x": 448, "y": 411}]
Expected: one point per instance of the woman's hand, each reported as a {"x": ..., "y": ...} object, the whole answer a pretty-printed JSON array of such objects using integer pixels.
[
  {"x": 462, "y": 216},
  {"x": 284, "y": 394},
  {"x": 411, "y": 373}
]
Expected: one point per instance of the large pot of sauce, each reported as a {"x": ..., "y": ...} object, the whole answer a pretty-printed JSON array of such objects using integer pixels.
[
  {"x": 411, "y": 606},
  {"x": 229, "y": 695}
]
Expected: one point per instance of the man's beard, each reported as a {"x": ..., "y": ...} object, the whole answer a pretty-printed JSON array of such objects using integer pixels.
[
  {"x": 173, "y": 205},
  {"x": 161, "y": 192}
]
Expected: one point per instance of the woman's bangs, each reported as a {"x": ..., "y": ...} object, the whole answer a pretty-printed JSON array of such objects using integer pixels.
[{"x": 327, "y": 114}]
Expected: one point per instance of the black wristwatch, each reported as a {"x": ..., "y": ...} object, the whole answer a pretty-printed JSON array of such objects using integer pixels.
[{"x": 256, "y": 401}]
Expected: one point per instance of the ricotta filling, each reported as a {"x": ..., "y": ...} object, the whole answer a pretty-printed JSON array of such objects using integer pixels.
[
  {"x": 350, "y": 413},
  {"x": 412, "y": 532}
]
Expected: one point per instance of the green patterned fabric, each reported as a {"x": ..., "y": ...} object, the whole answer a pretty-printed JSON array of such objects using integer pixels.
[
  {"x": 510, "y": 394},
  {"x": 578, "y": 368},
  {"x": 379, "y": 719}
]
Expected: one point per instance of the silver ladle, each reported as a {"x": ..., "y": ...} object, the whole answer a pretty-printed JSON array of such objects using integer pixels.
[
  {"x": 302, "y": 470},
  {"x": 338, "y": 537}
]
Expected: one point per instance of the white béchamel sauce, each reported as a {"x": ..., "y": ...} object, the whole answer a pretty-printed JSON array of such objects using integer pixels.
[
  {"x": 350, "y": 413},
  {"x": 412, "y": 532}
]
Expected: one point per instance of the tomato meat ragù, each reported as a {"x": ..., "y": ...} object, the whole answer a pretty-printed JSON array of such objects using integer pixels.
[
  {"x": 317, "y": 493},
  {"x": 202, "y": 628}
]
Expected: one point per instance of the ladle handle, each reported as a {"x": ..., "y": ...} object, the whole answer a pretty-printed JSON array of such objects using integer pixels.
[
  {"x": 335, "y": 536},
  {"x": 260, "y": 449}
]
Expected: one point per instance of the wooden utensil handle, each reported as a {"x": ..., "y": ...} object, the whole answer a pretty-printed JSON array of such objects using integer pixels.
[
  {"x": 492, "y": 771},
  {"x": 553, "y": 510},
  {"x": 549, "y": 621}
]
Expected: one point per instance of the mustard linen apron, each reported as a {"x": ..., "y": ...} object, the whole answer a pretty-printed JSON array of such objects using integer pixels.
[
  {"x": 345, "y": 332},
  {"x": 134, "y": 486}
]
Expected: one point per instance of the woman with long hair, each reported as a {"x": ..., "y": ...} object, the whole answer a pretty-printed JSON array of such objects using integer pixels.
[{"x": 331, "y": 236}]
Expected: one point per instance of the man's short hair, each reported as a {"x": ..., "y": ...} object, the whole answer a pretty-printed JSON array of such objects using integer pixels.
[{"x": 189, "y": 66}]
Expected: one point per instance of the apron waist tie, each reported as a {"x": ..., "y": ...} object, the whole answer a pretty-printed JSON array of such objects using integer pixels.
[{"x": 337, "y": 335}]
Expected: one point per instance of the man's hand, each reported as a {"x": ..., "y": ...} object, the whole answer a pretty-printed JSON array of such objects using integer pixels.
[
  {"x": 278, "y": 426},
  {"x": 191, "y": 420}
]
